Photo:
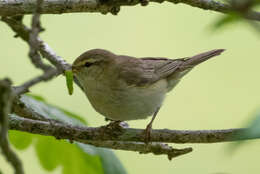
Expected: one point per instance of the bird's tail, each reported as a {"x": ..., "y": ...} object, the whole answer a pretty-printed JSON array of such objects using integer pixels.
[{"x": 195, "y": 60}]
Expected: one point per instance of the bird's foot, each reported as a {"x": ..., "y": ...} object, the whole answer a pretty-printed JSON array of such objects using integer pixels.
[
  {"x": 144, "y": 2},
  {"x": 115, "y": 125},
  {"x": 113, "y": 129}
]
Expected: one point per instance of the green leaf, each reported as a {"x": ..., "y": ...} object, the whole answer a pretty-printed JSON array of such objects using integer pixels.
[
  {"x": 47, "y": 149},
  {"x": 69, "y": 81},
  {"x": 73, "y": 115},
  {"x": 253, "y": 128},
  {"x": 227, "y": 19},
  {"x": 110, "y": 162},
  {"x": 52, "y": 112},
  {"x": 36, "y": 97},
  {"x": 40, "y": 99},
  {"x": 83, "y": 162},
  {"x": 252, "y": 132},
  {"x": 20, "y": 140},
  {"x": 74, "y": 158}
]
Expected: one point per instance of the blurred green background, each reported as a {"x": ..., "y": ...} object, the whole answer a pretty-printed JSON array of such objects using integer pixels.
[{"x": 220, "y": 93}]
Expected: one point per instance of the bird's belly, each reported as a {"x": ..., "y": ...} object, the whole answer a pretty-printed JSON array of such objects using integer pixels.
[{"x": 129, "y": 103}]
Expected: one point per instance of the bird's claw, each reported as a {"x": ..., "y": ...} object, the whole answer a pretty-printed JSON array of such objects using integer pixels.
[
  {"x": 116, "y": 125},
  {"x": 144, "y": 2}
]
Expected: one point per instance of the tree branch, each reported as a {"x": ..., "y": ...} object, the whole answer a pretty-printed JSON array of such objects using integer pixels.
[
  {"x": 33, "y": 43},
  {"x": 142, "y": 148},
  {"x": 155, "y": 148},
  {"x": 81, "y": 134},
  {"x": 6, "y": 98},
  {"x": 118, "y": 137},
  {"x": 32, "y": 39},
  {"x": 24, "y": 32},
  {"x": 44, "y": 77},
  {"x": 11, "y": 7},
  {"x": 21, "y": 110}
]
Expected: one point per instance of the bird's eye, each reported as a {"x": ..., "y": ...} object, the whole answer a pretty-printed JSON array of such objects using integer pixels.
[{"x": 88, "y": 64}]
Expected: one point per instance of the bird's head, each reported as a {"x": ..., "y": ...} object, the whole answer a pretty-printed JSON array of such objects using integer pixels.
[{"x": 92, "y": 61}]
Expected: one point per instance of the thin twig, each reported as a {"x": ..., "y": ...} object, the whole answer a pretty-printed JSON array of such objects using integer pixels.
[
  {"x": 44, "y": 77},
  {"x": 6, "y": 98},
  {"x": 56, "y": 60},
  {"x": 142, "y": 148},
  {"x": 22, "y": 31},
  {"x": 33, "y": 42},
  {"x": 33, "y": 39},
  {"x": 36, "y": 59}
]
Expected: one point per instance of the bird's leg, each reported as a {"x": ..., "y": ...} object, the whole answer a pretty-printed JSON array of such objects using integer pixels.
[{"x": 149, "y": 127}]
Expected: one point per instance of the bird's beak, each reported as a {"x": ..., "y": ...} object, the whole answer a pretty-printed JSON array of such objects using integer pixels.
[{"x": 74, "y": 69}]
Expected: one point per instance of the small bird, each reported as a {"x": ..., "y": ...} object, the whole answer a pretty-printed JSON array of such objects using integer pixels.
[{"x": 123, "y": 88}]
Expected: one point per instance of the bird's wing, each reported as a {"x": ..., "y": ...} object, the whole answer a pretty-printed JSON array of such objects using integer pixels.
[
  {"x": 148, "y": 70},
  {"x": 163, "y": 67},
  {"x": 145, "y": 71}
]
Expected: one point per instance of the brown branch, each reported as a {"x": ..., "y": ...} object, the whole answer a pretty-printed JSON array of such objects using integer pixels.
[
  {"x": 22, "y": 110},
  {"x": 36, "y": 59},
  {"x": 6, "y": 97},
  {"x": 142, "y": 148},
  {"x": 36, "y": 44},
  {"x": 118, "y": 137},
  {"x": 9, "y": 8},
  {"x": 56, "y": 60},
  {"x": 155, "y": 148},
  {"x": 44, "y": 77},
  {"x": 33, "y": 43},
  {"x": 24, "y": 32},
  {"x": 65, "y": 131}
]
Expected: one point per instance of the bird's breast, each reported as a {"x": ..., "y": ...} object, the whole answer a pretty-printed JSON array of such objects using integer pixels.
[{"x": 122, "y": 102}]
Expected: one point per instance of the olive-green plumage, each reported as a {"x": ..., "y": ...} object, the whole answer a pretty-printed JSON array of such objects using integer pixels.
[{"x": 127, "y": 88}]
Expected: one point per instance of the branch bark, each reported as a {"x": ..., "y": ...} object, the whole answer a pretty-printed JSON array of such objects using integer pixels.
[
  {"x": 117, "y": 137},
  {"x": 81, "y": 134},
  {"x": 142, "y": 148},
  {"x": 26, "y": 85},
  {"x": 6, "y": 98},
  {"x": 33, "y": 43},
  {"x": 31, "y": 37},
  {"x": 24, "y": 32},
  {"x": 20, "y": 7},
  {"x": 157, "y": 148}
]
